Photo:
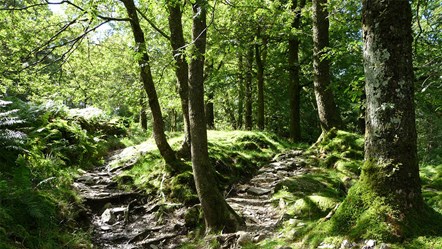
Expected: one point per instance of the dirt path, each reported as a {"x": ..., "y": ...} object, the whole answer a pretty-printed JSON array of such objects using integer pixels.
[{"x": 129, "y": 219}]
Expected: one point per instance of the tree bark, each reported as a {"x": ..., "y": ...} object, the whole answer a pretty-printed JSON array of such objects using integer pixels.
[
  {"x": 218, "y": 215},
  {"x": 146, "y": 77},
  {"x": 249, "y": 89},
  {"x": 241, "y": 92},
  {"x": 210, "y": 112},
  {"x": 260, "y": 78},
  {"x": 181, "y": 69},
  {"x": 390, "y": 144},
  {"x": 328, "y": 112},
  {"x": 294, "y": 89}
]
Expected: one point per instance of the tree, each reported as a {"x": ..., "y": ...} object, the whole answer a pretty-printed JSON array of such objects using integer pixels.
[
  {"x": 390, "y": 148},
  {"x": 387, "y": 200},
  {"x": 181, "y": 68},
  {"x": 249, "y": 89},
  {"x": 146, "y": 77},
  {"x": 260, "y": 56},
  {"x": 329, "y": 115},
  {"x": 294, "y": 89},
  {"x": 218, "y": 215}
]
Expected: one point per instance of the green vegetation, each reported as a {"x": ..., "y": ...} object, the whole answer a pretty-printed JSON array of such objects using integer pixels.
[
  {"x": 308, "y": 199},
  {"x": 236, "y": 156},
  {"x": 44, "y": 147}
]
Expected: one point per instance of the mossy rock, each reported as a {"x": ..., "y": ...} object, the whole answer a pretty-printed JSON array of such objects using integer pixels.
[
  {"x": 182, "y": 188},
  {"x": 312, "y": 206}
]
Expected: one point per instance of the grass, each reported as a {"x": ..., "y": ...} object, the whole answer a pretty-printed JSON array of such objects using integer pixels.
[{"x": 236, "y": 155}]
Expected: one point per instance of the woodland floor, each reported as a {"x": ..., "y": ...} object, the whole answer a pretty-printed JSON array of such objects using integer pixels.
[{"x": 131, "y": 219}]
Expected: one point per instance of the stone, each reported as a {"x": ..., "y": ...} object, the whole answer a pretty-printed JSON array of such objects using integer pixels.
[
  {"x": 244, "y": 238},
  {"x": 384, "y": 246},
  {"x": 258, "y": 191},
  {"x": 369, "y": 244},
  {"x": 108, "y": 216},
  {"x": 347, "y": 244},
  {"x": 326, "y": 246}
]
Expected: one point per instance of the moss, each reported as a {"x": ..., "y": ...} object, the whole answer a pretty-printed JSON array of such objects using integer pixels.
[
  {"x": 182, "y": 189},
  {"x": 364, "y": 215}
]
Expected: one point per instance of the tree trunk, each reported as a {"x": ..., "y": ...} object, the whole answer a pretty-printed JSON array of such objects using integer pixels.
[
  {"x": 294, "y": 89},
  {"x": 328, "y": 112},
  {"x": 146, "y": 76},
  {"x": 248, "y": 86},
  {"x": 143, "y": 113},
  {"x": 260, "y": 79},
  {"x": 210, "y": 114},
  {"x": 218, "y": 215},
  {"x": 390, "y": 144},
  {"x": 181, "y": 69},
  {"x": 241, "y": 92},
  {"x": 387, "y": 202}
]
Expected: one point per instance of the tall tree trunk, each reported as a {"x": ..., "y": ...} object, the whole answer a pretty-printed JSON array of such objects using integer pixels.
[
  {"x": 218, "y": 215},
  {"x": 143, "y": 112},
  {"x": 260, "y": 79},
  {"x": 387, "y": 199},
  {"x": 329, "y": 115},
  {"x": 390, "y": 144},
  {"x": 146, "y": 76},
  {"x": 294, "y": 89},
  {"x": 241, "y": 92},
  {"x": 210, "y": 112},
  {"x": 181, "y": 69},
  {"x": 249, "y": 89}
]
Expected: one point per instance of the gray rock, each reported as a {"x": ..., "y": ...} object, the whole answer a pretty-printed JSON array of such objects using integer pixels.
[
  {"x": 244, "y": 238},
  {"x": 369, "y": 244},
  {"x": 258, "y": 191},
  {"x": 108, "y": 217},
  {"x": 326, "y": 246}
]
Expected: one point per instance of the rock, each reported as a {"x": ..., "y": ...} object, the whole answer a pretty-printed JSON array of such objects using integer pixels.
[
  {"x": 259, "y": 237},
  {"x": 326, "y": 246},
  {"x": 258, "y": 191},
  {"x": 108, "y": 216},
  {"x": 384, "y": 246},
  {"x": 154, "y": 247},
  {"x": 369, "y": 244},
  {"x": 347, "y": 244},
  {"x": 87, "y": 179},
  {"x": 244, "y": 238}
]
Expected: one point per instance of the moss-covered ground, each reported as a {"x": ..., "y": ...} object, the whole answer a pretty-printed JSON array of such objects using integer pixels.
[
  {"x": 312, "y": 216},
  {"x": 236, "y": 156}
]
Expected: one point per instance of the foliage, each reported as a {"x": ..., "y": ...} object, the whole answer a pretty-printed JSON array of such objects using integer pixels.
[
  {"x": 236, "y": 156},
  {"x": 36, "y": 197}
]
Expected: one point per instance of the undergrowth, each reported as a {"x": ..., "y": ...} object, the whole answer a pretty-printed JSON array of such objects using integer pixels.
[
  {"x": 309, "y": 202},
  {"x": 43, "y": 146}
]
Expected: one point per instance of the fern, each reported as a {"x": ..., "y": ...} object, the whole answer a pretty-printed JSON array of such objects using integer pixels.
[{"x": 11, "y": 139}]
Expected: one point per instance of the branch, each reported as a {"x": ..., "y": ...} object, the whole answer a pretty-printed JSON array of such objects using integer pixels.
[
  {"x": 107, "y": 18},
  {"x": 153, "y": 24}
]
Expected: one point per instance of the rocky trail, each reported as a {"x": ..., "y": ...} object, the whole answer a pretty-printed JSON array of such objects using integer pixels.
[{"x": 130, "y": 219}]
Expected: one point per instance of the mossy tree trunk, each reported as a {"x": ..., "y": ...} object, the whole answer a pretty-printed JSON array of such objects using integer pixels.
[
  {"x": 328, "y": 112},
  {"x": 146, "y": 77},
  {"x": 390, "y": 145},
  {"x": 294, "y": 89},
  {"x": 386, "y": 203},
  {"x": 218, "y": 215},
  {"x": 181, "y": 69}
]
